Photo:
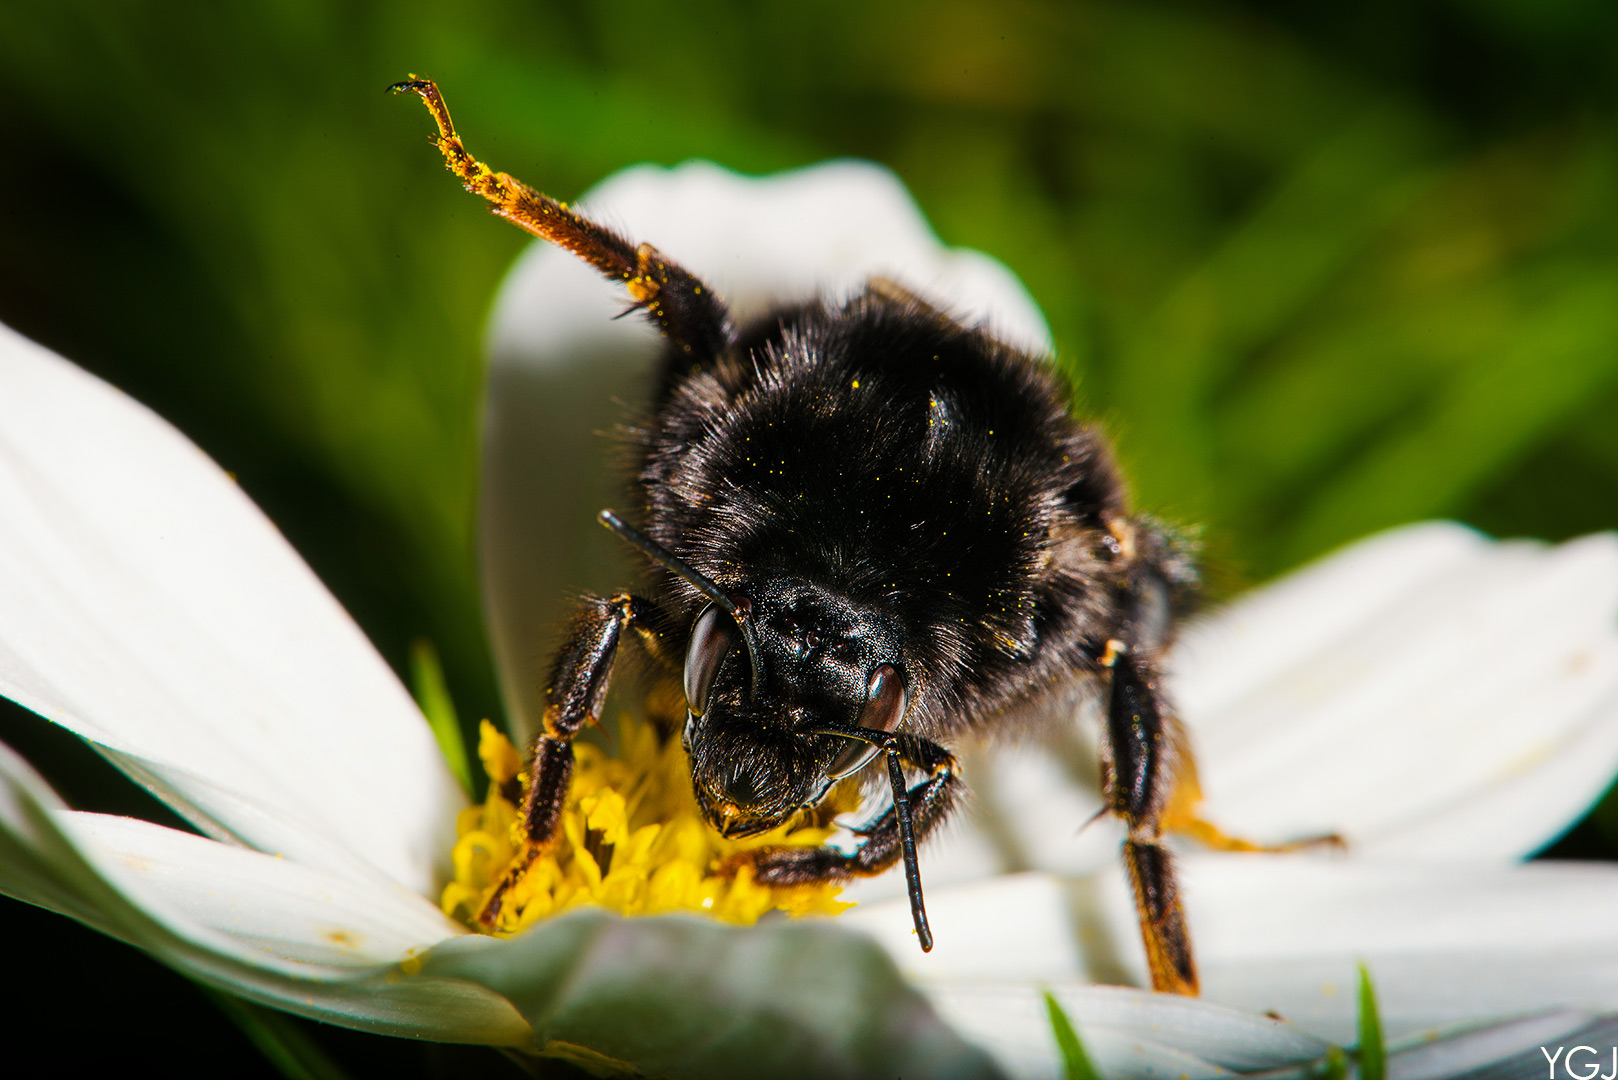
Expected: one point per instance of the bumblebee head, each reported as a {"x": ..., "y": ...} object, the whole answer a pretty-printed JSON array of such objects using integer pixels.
[{"x": 788, "y": 690}]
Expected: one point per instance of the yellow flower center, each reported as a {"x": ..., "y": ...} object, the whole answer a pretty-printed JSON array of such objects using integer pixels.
[{"x": 632, "y": 840}]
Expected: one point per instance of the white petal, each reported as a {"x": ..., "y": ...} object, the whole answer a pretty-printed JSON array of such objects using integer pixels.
[
  {"x": 147, "y": 605},
  {"x": 1445, "y": 943},
  {"x": 1457, "y": 1055},
  {"x": 266, "y": 928},
  {"x": 261, "y": 903},
  {"x": 1045, "y": 804},
  {"x": 999, "y": 941},
  {"x": 565, "y": 370},
  {"x": 1029, "y": 927},
  {"x": 1125, "y": 1032},
  {"x": 1238, "y": 650},
  {"x": 1137, "y": 1034},
  {"x": 1394, "y": 691}
]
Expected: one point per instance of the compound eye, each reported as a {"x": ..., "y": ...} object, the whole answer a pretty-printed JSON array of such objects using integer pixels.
[
  {"x": 712, "y": 637},
  {"x": 885, "y": 699},
  {"x": 885, "y": 704}
]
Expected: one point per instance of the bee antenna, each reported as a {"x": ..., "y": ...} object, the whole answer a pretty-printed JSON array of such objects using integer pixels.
[
  {"x": 889, "y": 743},
  {"x": 907, "y": 844},
  {"x": 663, "y": 556}
]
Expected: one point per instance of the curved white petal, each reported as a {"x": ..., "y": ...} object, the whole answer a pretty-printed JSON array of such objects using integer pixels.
[
  {"x": 147, "y": 605},
  {"x": 268, "y": 929},
  {"x": 1395, "y": 690},
  {"x": 1445, "y": 943},
  {"x": 1237, "y": 650},
  {"x": 564, "y": 370},
  {"x": 1125, "y": 1032},
  {"x": 259, "y": 902},
  {"x": 1509, "y": 1048},
  {"x": 1136, "y": 1034}
]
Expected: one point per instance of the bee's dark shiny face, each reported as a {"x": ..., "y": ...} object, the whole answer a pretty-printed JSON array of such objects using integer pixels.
[
  {"x": 759, "y": 742},
  {"x": 748, "y": 775}
]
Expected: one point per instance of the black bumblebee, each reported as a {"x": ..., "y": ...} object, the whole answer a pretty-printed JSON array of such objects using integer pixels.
[{"x": 874, "y": 529}]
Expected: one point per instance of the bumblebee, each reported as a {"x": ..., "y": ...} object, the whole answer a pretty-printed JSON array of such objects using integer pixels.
[{"x": 872, "y": 530}]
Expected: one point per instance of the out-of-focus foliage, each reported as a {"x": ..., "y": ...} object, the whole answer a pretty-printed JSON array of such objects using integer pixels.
[
  {"x": 1317, "y": 273},
  {"x": 1319, "y": 268}
]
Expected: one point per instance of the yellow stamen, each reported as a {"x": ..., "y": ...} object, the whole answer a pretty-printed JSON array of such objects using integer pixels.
[
  {"x": 500, "y": 759},
  {"x": 632, "y": 840}
]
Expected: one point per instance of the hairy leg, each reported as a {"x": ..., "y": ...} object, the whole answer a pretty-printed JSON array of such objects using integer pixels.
[
  {"x": 687, "y": 311},
  {"x": 1137, "y": 778},
  {"x": 579, "y": 679}
]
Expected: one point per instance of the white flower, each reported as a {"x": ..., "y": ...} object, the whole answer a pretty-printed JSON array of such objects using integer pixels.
[{"x": 147, "y": 606}]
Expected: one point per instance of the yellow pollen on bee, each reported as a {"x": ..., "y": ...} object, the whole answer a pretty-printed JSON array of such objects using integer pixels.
[
  {"x": 631, "y": 839},
  {"x": 1115, "y": 649}
]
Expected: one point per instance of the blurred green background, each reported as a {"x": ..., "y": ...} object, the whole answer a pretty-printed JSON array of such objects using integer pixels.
[{"x": 1319, "y": 269}]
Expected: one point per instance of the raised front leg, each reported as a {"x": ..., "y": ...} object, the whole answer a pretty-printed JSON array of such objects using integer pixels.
[
  {"x": 578, "y": 686},
  {"x": 1138, "y": 770},
  {"x": 686, "y": 310}
]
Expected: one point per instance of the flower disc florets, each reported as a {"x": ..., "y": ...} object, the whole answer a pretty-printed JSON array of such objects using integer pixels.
[{"x": 632, "y": 840}]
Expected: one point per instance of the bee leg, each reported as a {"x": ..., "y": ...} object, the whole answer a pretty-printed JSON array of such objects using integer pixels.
[
  {"x": 578, "y": 687},
  {"x": 1162, "y": 919},
  {"x": 1137, "y": 777},
  {"x": 689, "y": 313},
  {"x": 1181, "y": 815},
  {"x": 1214, "y": 838},
  {"x": 891, "y": 837}
]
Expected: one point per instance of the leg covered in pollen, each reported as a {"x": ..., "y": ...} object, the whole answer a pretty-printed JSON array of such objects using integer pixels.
[
  {"x": 686, "y": 310},
  {"x": 1182, "y": 815}
]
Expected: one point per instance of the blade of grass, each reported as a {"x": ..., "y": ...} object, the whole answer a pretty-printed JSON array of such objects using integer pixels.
[
  {"x": 427, "y": 683},
  {"x": 1075, "y": 1062},
  {"x": 1372, "y": 1053}
]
